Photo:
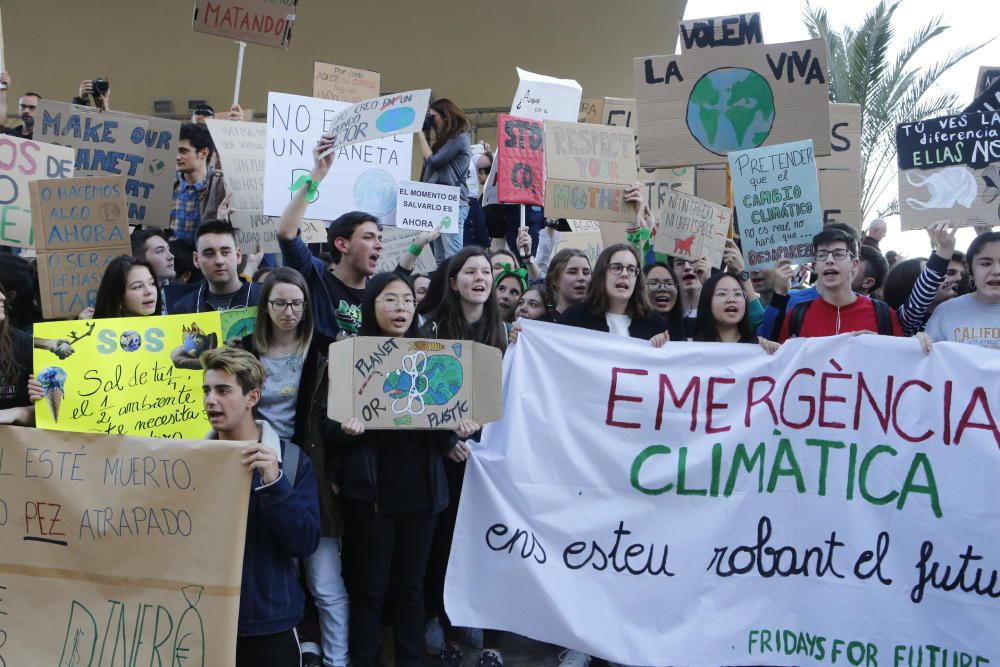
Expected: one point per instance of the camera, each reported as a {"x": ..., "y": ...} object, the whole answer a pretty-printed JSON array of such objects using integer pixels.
[
  {"x": 428, "y": 122},
  {"x": 101, "y": 86}
]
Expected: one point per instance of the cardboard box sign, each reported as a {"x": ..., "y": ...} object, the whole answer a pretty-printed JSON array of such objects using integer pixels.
[
  {"x": 949, "y": 168},
  {"x": 736, "y": 30},
  {"x": 696, "y": 107},
  {"x": 845, "y": 138},
  {"x": 263, "y": 22},
  {"x": 345, "y": 84},
  {"x": 690, "y": 228},
  {"x": 413, "y": 383},
  {"x": 591, "y": 110},
  {"x": 23, "y": 161}
]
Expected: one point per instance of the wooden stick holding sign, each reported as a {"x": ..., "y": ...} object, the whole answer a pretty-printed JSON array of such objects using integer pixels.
[
  {"x": 3, "y": 86},
  {"x": 239, "y": 72}
]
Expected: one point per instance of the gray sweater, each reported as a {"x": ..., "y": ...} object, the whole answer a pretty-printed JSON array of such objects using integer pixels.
[{"x": 450, "y": 164}]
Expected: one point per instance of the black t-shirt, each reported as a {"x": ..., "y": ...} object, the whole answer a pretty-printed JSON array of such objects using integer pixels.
[
  {"x": 16, "y": 132},
  {"x": 346, "y": 304},
  {"x": 14, "y": 385}
]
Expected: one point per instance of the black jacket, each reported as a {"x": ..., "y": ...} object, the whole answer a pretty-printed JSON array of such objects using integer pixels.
[{"x": 577, "y": 315}]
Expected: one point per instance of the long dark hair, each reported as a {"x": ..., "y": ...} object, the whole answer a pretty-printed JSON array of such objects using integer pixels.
[
  {"x": 111, "y": 293},
  {"x": 675, "y": 317},
  {"x": 20, "y": 282},
  {"x": 453, "y": 122},
  {"x": 435, "y": 290},
  {"x": 706, "y": 329},
  {"x": 375, "y": 287},
  {"x": 263, "y": 330},
  {"x": 449, "y": 318},
  {"x": 901, "y": 281},
  {"x": 597, "y": 302}
]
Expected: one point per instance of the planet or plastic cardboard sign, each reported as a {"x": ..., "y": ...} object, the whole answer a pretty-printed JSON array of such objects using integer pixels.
[
  {"x": 425, "y": 206},
  {"x": 413, "y": 383},
  {"x": 696, "y": 107}
]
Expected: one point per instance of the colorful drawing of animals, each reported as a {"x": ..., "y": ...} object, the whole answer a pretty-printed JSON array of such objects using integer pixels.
[
  {"x": 683, "y": 246},
  {"x": 437, "y": 382}
]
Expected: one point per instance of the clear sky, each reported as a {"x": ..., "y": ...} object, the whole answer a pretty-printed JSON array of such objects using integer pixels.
[{"x": 781, "y": 21}]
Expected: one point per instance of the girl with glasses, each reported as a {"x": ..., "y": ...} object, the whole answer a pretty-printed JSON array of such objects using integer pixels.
[
  {"x": 293, "y": 401},
  {"x": 664, "y": 296},
  {"x": 392, "y": 486},
  {"x": 723, "y": 315}
]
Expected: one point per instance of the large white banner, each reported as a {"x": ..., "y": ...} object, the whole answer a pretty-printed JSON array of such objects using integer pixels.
[
  {"x": 364, "y": 176},
  {"x": 705, "y": 504}
]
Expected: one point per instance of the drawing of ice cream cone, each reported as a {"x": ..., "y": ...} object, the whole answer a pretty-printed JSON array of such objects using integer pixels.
[{"x": 53, "y": 380}]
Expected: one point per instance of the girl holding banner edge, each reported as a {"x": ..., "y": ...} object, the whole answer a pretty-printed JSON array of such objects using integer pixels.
[{"x": 446, "y": 162}]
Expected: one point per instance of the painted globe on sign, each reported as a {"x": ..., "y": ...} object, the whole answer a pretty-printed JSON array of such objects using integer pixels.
[
  {"x": 730, "y": 109},
  {"x": 375, "y": 192}
]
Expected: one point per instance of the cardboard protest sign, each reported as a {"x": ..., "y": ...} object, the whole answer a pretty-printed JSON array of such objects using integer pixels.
[
  {"x": 716, "y": 491},
  {"x": 587, "y": 168},
  {"x": 657, "y": 184},
  {"x": 620, "y": 112},
  {"x": 546, "y": 98},
  {"x": 264, "y": 22},
  {"x": 520, "y": 160},
  {"x": 129, "y": 550},
  {"x": 364, "y": 176},
  {"x": 949, "y": 168},
  {"x": 395, "y": 242},
  {"x": 985, "y": 78},
  {"x": 126, "y": 376},
  {"x": 776, "y": 197},
  {"x": 425, "y": 206},
  {"x": 253, "y": 229},
  {"x": 988, "y": 100},
  {"x": 845, "y": 138},
  {"x": 23, "y": 161},
  {"x": 691, "y": 228},
  {"x": 111, "y": 143},
  {"x": 344, "y": 84},
  {"x": 407, "y": 383},
  {"x": 241, "y": 146},
  {"x": 591, "y": 110},
  {"x": 588, "y": 241},
  {"x": 79, "y": 226},
  {"x": 696, "y": 107},
  {"x": 710, "y": 33},
  {"x": 400, "y": 113}
]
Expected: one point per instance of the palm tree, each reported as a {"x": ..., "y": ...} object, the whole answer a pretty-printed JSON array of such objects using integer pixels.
[{"x": 889, "y": 90}]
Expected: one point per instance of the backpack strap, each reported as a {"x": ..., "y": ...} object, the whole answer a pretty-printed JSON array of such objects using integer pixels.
[
  {"x": 796, "y": 318},
  {"x": 290, "y": 461},
  {"x": 883, "y": 317}
]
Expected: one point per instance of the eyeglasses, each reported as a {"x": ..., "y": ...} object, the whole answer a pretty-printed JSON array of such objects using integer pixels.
[
  {"x": 659, "y": 285},
  {"x": 282, "y": 304},
  {"x": 616, "y": 269},
  {"x": 394, "y": 302},
  {"x": 840, "y": 254},
  {"x": 727, "y": 293}
]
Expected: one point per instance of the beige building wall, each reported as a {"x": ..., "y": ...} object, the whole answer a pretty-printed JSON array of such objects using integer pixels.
[{"x": 463, "y": 50}]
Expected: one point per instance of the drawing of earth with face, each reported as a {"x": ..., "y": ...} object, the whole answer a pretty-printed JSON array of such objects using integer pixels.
[
  {"x": 375, "y": 192},
  {"x": 730, "y": 109}
]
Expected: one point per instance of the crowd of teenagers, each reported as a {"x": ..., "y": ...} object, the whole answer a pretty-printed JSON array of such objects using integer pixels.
[{"x": 349, "y": 529}]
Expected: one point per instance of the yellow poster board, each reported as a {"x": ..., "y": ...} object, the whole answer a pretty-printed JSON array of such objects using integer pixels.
[{"x": 125, "y": 376}]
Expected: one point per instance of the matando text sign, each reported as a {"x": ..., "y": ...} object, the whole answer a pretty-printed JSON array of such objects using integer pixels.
[
  {"x": 264, "y": 22},
  {"x": 949, "y": 168},
  {"x": 119, "y": 550},
  {"x": 696, "y": 107},
  {"x": 407, "y": 383},
  {"x": 587, "y": 170}
]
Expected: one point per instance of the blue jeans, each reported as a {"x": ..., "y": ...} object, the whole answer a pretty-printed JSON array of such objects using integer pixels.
[
  {"x": 326, "y": 583},
  {"x": 448, "y": 244}
]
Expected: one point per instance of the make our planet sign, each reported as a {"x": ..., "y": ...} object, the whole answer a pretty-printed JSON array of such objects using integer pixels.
[{"x": 398, "y": 113}]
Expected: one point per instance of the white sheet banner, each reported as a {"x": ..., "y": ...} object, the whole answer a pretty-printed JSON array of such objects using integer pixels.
[
  {"x": 705, "y": 504},
  {"x": 363, "y": 177}
]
